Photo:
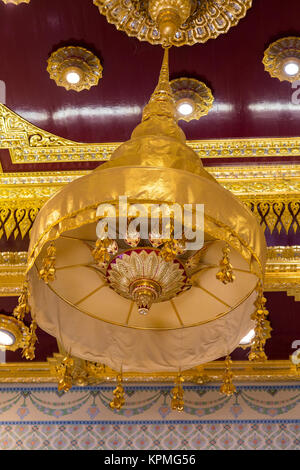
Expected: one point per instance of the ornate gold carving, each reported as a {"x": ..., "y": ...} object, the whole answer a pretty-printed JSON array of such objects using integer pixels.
[
  {"x": 227, "y": 387},
  {"x": 208, "y": 19},
  {"x": 194, "y": 92},
  {"x": 279, "y": 54},
  {"x": 30, "y": 144},
  {"x": 177, "y": 402},
  {"x": 262, "y": 328},
  {"x": 47, "y": 273},
  {"x": 77, "y": 61},
  {"x": 244, "y": 371},
  {"x": 15, "y": 2},
  {"x": 119, "y": 395},
  {"x": 225, "y": 274}
]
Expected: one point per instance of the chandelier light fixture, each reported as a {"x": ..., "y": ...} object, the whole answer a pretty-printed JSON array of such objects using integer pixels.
[
  {"x": 193, "y": 98},
  {"x": 174, "y": 22},
  {"x": 282, "y": 59},
  {"x": 74, "y": 68},
  {"x": 147, "y": 264}
]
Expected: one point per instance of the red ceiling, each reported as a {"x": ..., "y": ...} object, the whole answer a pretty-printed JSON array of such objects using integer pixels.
[
  {"x": 247, "y": 100},
  {"x": 231, "y": 65}
]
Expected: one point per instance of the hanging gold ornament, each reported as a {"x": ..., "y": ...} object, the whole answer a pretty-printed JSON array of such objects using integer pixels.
[
  {"x": 228, "y": 388},
  {"x": 177, "y": 393},
  {"x": 22, "y": 308},
  {"x": 64, "y": 372},
  {"x": 262, "y": 328},
  {"x": 118, "y": 402},
  {"x": 225, "y": 275},
  {"x": 29, "y": 348},
  {"x": 47, "y": 273},
  {"x": 103, "y": 251}
]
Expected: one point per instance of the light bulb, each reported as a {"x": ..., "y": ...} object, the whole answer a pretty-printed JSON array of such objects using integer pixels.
[
  {"x": 6, "y": 338},
  {"x": 73, "y": 78},
  {"x": 291, "y": 68},
  {"x": 185, "y": 108}
]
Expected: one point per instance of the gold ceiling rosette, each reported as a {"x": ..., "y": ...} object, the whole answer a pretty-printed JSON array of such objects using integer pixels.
[
  {"x": 148, "y": 302},
  {"x": 174, "y": 22}
]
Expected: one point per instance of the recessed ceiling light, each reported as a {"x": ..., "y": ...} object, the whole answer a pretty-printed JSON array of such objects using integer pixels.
[
  {"x": 185, "y": 108},
  {"x": 73, "y": 77},
  {"x": 74, "y": 68},
  {"x": 291, "y": 68},
  {"x": 193, "y": 98},
  {"x": 282, "y": 59},
  {"x": 6, "y": 338},
  {"x": 248, "y": 338}
]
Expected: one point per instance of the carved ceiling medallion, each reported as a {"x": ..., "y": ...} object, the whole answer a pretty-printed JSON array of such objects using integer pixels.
[
  {"x": 74, "y": 68},
  {"x": 194, "y": 20}
]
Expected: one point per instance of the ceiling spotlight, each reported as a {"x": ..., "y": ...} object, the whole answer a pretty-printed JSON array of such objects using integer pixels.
[
  {"x": 185, "y": 107},
  {"x": 6, "y": 338},
  {"x": 282, "y": 59},
  {"x": 291, "y": 68},
  {"x": 74, "y": 68},
  {"x": 13, "y": 333},
  {"x": 73, "y": 77},
  {"x": 193, "y": 98},
  {"x": 247, "y": 340}
]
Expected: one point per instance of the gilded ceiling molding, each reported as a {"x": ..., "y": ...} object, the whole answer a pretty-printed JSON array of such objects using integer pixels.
[
  {"x": 30, "y": 144},
  {"x": 271, "y": 192},
  {"x": 244, "y": 371},
  {"x": 282, "y": 271}
]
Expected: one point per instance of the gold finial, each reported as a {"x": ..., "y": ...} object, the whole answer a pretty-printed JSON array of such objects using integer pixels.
[{"x": 162, "y": 101}]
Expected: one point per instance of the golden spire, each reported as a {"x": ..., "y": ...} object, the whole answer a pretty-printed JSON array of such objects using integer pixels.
[{"x": 162, "y": 101}]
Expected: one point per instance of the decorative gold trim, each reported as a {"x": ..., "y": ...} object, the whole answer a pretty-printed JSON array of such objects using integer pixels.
[
  {"x": 270, "y": 191},
  {"x": 74, "y": 59},
  {"x": 244, "y": 371},
  {"x": 29, "y": 144}
]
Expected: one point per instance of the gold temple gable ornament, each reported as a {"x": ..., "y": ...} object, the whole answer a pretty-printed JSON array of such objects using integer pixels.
[
  {"x": 282, "y": 59},
  {"x": 28, "y": 143},
  {"x": 74, "y": 68},
  {"x": 193, "y": 98},
  {"x": 174, "y": 22}
]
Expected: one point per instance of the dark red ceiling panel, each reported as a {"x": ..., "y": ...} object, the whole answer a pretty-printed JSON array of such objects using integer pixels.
[{"x": 248, "y": 102}]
